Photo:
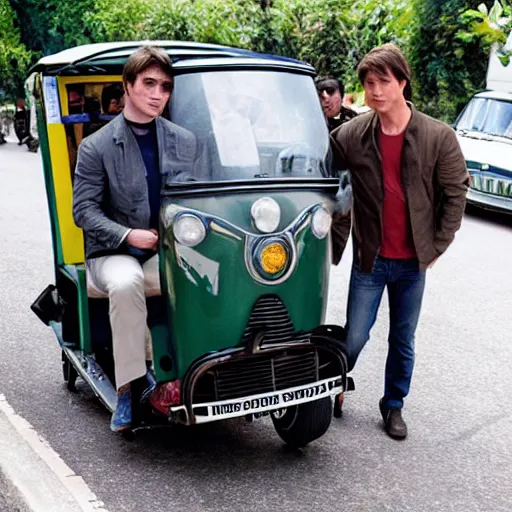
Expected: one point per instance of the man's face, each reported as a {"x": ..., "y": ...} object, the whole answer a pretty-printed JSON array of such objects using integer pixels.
[
  {"x": 116, "y": 105},
  {"x": 330, "y": 98},
  {"x": 383, "y": 92},
  {"x": 149, "y": 93}
]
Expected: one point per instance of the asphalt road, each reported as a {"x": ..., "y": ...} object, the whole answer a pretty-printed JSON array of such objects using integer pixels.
[{"x": 458, "y": 456}]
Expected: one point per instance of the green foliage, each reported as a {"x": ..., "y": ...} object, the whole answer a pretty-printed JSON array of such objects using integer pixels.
[
  {"x": 491, "y": 26},
  {"x": 447, "y": 41},
  {"x": 51, "y": 25},
  {"x": 171, "y": 19},
  {"x": 448, "y": 68},
  {"x": 117, "y": 20},
  {"x": 14, "y": 57}
]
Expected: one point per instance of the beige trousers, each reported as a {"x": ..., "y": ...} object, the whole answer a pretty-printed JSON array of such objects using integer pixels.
[{"x": 127, "y": 284}]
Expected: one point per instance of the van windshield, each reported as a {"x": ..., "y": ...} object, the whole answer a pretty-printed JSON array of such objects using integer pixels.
[
  {"x": 488, "y": 116},
  {"x": 253, "y": 124}
]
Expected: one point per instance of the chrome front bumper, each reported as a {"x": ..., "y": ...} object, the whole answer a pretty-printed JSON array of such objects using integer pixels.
[
  {"x": 489, "y": 201},
  {"x": 257, "y": 404}
]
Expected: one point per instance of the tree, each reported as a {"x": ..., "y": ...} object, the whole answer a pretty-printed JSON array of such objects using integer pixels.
[
  {"x": 492, "y": 27},
  {"x": 448, "y": 69},
  {"x": 14, "y": 57},
  {"x": 50, "y": 26}
]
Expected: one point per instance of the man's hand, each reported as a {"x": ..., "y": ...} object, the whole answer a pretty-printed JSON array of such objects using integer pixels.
[
  {"x": 433, "y": 262},
  {"x": 143, "y": 238}
]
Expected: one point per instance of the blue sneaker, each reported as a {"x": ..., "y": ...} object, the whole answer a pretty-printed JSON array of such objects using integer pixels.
[{"x": 122, "y": 416}]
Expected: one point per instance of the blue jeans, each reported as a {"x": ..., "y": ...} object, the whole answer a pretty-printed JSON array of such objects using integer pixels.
[{"x": 405, "y": 284}]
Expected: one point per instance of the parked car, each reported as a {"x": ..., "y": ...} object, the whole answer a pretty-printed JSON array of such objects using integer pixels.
[{"x": 484, "y": 130}]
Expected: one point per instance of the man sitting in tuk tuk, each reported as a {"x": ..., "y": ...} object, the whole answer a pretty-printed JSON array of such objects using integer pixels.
[{"x": 116, "y": 200}]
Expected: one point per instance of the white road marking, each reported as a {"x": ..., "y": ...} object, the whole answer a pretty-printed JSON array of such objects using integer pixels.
[{"x": 72, "y": 482}]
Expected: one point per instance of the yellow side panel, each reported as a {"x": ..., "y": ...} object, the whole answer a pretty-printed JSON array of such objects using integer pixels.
[
  {"x": 62, "y": 81},
  {"x": 71, "y": 236}
]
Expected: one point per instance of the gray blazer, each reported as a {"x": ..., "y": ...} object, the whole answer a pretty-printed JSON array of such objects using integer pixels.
[{"x": 110, "y": 193}]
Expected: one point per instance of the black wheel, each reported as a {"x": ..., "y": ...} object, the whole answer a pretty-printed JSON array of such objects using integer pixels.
[
  {"x": 300, "y": 424},
  {"x": 69, "y": 373}
]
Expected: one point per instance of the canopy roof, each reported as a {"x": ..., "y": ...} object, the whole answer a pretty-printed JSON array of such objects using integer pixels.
[{"x": 110, "y": 58}]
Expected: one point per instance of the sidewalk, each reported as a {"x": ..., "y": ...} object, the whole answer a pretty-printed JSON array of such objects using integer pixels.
[
  {"x": 10, "y": 499},
  {"x": 33, "y": 478}
]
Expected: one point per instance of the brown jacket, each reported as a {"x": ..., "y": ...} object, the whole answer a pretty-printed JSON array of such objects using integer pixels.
[{"x": 434, "y": 178}]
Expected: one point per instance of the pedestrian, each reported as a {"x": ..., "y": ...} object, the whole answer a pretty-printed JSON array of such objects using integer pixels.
[
  {"x": 409, "y": 182},
  {"x": 21, "y": 122},
  {"x": 116, "y": 200}
]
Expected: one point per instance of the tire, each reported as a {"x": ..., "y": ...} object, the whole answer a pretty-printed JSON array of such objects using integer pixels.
[
  {"x": 66, "y": 364},
  {"x": 301, "y": 424},
  {"x": 69, "y": 373}
]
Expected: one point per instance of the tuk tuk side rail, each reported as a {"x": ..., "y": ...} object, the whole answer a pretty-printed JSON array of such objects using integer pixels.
[
  {"x": 76, "y": 274},
  {"x": 49, "y": 181}
]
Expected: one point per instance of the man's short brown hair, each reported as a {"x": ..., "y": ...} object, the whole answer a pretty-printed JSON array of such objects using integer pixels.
[
  {"x": 384, "y": 59},
  {"x": 144, "y": 58}
]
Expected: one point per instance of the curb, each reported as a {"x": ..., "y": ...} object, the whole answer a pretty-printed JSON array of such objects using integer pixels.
[{"x": 35, "y": 478}]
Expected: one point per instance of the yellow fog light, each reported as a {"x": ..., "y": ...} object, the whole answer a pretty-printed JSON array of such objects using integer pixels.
[{"x": 273, "y": 258}]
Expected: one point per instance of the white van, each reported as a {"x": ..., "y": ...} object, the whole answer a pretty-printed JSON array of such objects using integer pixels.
[{"x": 484, "y": 130}]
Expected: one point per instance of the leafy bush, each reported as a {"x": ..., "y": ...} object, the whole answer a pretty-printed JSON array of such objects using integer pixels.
[
  {"x": 14, "y": 57},
  {"x": 448, "y": 69},
  {"x": 51, "y": 25},
  {"x": 447, "y": 41}
]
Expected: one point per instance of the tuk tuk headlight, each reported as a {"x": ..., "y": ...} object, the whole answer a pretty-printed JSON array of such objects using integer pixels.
[
  {"x": 271, "y": 258},
  {"x": 266, "y": 214},
  {"x": 321, "y": 223},
  {"x": 189, "y": 230}
]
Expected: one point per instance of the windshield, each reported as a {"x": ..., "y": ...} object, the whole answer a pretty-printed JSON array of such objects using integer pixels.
[
  {"x": 488, "y": 116},
  {"x": 252, "y": 124}
]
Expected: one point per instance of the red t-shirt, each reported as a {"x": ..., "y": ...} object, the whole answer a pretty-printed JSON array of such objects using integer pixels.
[{"x": 397, "y": 239}]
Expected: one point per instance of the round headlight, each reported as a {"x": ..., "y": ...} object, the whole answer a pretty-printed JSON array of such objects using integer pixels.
[
  {"x": 266, "y": 214},
  {"x": 189, "y": 230},
  {"x": 321, "y": 223},
  {"x": 273, "y": 258}
]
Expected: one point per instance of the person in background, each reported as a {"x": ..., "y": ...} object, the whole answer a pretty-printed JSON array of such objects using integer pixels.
[
  {"x": 112, "y": 99},
  {"x": 409, "y": 182},
  {"x": 21, "y": 122},
  {"x": 330, "y": 92}
]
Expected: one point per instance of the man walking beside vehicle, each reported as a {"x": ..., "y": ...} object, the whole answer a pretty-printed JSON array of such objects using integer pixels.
[
  {"x": 116, "y": 200},
  {"x": 409, "y": 182}
]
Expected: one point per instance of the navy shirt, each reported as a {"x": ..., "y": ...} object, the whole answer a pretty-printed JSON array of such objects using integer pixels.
[{"x": 145, "y": 134}]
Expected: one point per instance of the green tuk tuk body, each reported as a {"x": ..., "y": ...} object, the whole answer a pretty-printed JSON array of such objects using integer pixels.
[{"x": 244, "y": 239}]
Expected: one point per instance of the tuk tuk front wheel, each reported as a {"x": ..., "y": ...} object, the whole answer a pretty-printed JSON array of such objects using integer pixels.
[{"x": 301, "y": 424}]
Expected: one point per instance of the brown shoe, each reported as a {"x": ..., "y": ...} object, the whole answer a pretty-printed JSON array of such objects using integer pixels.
[{"x": 394, "y": 424}]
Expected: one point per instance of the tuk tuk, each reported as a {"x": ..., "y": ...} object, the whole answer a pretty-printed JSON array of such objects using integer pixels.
[{"x": 245, "y": 249}]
